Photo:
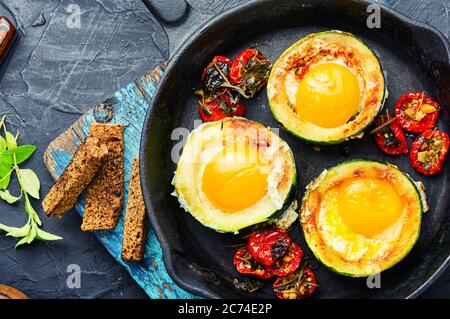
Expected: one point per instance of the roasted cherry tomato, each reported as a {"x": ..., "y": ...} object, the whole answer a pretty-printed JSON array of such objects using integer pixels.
[
  {"x": 298, "y": 285},
  {"x": 289, "y": 263},
  {"x": 213, "y": 78},
  {"x": 222, "y": 62},
  {"x": 225, "y": 105},
  {"x": 428, "y": 151},
  {"x": 250, "y": 70},
  {"x": 246, "y": 264},
  {"x": 416, "y": 112},
  {"x": 269, "y": 245},
  {"x": 390, "y": 137}
]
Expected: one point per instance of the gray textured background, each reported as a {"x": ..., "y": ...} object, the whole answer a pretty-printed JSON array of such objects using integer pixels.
[{"x": 55, "y": 74}]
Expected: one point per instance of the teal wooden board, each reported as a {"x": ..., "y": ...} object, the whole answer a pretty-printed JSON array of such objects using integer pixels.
[{"x": 127, "y": 106}]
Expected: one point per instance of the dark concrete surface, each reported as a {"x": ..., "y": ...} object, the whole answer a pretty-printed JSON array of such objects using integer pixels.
[{"x": 54, "y": 74}]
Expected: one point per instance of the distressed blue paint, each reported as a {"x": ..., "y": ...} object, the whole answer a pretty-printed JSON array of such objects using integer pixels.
[
  {"x": 63, "y": 158},
  {"x": 130, "y": 106}
]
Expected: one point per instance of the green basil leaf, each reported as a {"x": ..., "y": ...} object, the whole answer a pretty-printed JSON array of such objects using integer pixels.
[
  {"x": 2, "y": 144},
  {"x": 7, "y": 197},
  {"x": 5, "y": 175},
  {"x": 43, "y": 235},
  {"x": 29, "y": 237},
  {"x": 24, "y": 240},
  {"x": 22, "y": 152},
  {"x": 10, "y": 140},
  {"x": 6, "y": 228},
  {"x": 32, "y": 234},
  {"x": 19, "y": 232},
  {"x": 4, "y": 181},
  {"x": 31, "y": 212},
  {"x": 30, "y": 182},
  {"x": 6, "y": 158}
]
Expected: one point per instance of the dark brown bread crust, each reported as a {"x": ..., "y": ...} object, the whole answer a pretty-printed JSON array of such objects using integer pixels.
[
  {"x": 83, "y": 167},
  {"x": 134, "y": 229},
  {"x": 104, "y": 196}
]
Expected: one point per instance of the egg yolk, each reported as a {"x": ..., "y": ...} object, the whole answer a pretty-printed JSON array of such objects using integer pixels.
[
  {"x": 368, "y": 206},
  {"x": 328, "y": 95},
  {"x": 235, "y": 179}
]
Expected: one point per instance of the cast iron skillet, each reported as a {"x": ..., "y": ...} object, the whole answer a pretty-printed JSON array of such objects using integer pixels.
[{"x": 414, "y": 57}]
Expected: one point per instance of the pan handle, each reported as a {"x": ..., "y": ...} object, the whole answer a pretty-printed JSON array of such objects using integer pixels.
[{"x": 169, "y": 12}]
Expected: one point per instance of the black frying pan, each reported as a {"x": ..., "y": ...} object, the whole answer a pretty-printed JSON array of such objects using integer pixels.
[{"x": 415, "y": 57}]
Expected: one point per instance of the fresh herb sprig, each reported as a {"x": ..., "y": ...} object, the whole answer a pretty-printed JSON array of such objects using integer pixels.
[{"x": 11, "y": 155}]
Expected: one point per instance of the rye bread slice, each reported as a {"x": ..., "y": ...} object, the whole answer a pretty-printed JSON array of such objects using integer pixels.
[
  {"x": 134, "y": 229},
  {"x": 104, "y": 196},
  {"x": 81, "y": 170}
]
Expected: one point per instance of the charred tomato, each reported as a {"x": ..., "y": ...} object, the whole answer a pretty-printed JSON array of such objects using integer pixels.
[
  {"x": 250, "y": 71},
  {"x": 389, "y": 137},
  {"x": 289, "y": 263},
  {"x": 416, "y": 112},
  {"x": 269, "y": 245},
  {"x": 428, "y": 151},
  {"x": 298, "y": 285},
  {"x": 225, "y": 105},
  {"x": 214, "y": 76},
  {"x": 247, "y": 265}
]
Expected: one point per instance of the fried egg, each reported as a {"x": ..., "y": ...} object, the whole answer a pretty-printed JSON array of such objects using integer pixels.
[
  {"x": 234, "y": 173},
  {"x": 362, "y": 217},
  {"x": 327, "y": 87}
]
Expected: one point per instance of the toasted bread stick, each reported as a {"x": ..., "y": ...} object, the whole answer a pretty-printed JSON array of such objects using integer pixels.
[
  {"x": 81, "y": 170},
  {"x": 134, "y": 229},
  {"x": 104, "y": 196}
]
